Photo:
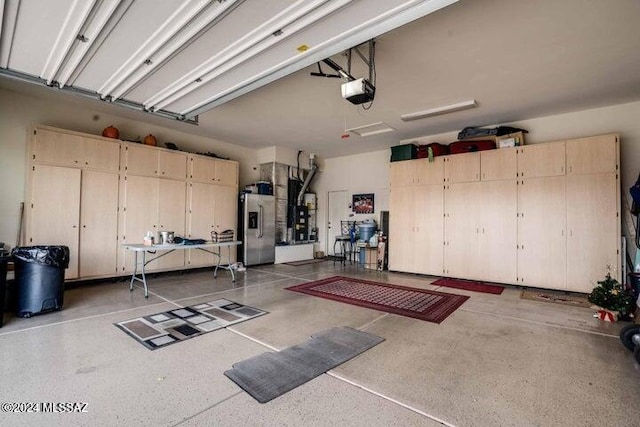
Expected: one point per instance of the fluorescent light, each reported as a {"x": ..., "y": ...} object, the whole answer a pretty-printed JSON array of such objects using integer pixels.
[
  {"x": 465, "y": 105},
  {"x": 9, "y": 16},
  {"x": 371, "y": 129}
]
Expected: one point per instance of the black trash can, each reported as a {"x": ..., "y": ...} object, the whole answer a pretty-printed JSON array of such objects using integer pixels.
[
  {"x": 39, "y": 278},
  {"x": 4, "y": 260}
]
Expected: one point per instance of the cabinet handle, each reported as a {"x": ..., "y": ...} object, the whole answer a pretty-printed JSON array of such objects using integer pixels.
[
  {"x": 162, "y": 172},
  {"x": 74, "y": 226},
  {"x": 84, "y": 226}
]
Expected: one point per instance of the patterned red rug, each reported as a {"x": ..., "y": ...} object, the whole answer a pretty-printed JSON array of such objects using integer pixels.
[
  {"x": 469, "y": 285},
  {"x": 421, "y": 304}
]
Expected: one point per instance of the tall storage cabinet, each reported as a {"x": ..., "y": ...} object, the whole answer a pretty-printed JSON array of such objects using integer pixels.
[
  {"x": 212, "y": 201},
  {"x": 73, "y": 198},
  {"x": 153, "y": 198},
  {"x": 544, "y": 215},
  {"x": 93, "y": 194}
]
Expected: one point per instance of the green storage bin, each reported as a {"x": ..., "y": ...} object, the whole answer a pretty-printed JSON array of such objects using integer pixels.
[{"x": 404, "y": 152}]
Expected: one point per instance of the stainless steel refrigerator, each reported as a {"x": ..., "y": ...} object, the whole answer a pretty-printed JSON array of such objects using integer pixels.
[{"x": 257, "y": 228}]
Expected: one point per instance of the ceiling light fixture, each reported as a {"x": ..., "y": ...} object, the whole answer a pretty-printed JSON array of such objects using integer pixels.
[
  {"x": 371, "y": 129},
  {"x": 465, "y": 105}
]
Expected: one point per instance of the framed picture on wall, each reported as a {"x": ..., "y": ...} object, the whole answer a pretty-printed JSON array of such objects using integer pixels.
[{"x": 363, "y": 203}]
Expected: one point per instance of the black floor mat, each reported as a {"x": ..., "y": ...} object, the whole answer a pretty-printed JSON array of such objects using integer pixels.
[{"x": 270, "y": 375}]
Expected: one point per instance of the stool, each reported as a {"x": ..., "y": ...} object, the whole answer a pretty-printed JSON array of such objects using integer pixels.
[{"x": 344, "y": 243}]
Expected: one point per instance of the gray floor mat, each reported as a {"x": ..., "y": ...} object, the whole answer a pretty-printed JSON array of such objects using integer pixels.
[{"x": 270, "y": 375}]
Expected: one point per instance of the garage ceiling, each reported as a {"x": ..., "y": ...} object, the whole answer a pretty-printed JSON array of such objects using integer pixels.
[{"x": 243, "y": 66}]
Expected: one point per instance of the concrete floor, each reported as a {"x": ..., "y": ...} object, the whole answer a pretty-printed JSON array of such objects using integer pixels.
[{"x": 496, "y": 361}]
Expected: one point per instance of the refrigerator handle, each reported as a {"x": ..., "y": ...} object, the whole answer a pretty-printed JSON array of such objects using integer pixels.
[{"x": 261, "y": 231}]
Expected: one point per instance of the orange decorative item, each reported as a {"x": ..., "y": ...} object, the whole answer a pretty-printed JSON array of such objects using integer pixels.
[
  {"x": 111, "y": 132},
  {"x": 150, "y": 140}
]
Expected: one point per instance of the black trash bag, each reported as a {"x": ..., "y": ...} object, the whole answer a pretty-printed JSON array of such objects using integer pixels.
[{"x": 52, "y": 256}]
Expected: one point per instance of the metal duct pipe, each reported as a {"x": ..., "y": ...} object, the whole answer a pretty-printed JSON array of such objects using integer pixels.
[{"x": 306, "y": 183}]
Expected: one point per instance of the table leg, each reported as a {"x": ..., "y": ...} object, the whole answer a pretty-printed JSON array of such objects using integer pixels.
[
  {"x": 135, "y": 277},
  {"x": 135, "y": 271},
  {"x": 144, "y": 278}
]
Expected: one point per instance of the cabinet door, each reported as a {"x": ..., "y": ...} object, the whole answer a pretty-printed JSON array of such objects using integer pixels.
[
  {"x": 201, "y": 222},
  {"x": 55, "y": 210},
  {"x": 462, "y": 168},
  {"x": 226, "y": 212},
  {"x": 226, "y": 173},
  {"x": 498, "y": 164},
  {"x": 171, "y": 213},
  {"x": 140, "y": 160},
  {"x": 401, "y": 229},
  {"x": 596, "y": 154},
  {"x": 172, "y": 165},
  {"x": 402, "y": 173},
  {"x": 98, "y": 223},
  {"x": 498, "y": 230},
  {"x": 203, "y": 169},
  {"x": 100, "y": 154},
  {"x": 429, "y": 173},
  {"x": 593, "y": 242},
  {"x": 542, "y": 254},
  {"x": 429, "y": 230},
  {"x": 140, "y": 213},
  {"x": 462, "y": 230},
  {"x": 58, "y": 148},
  {"x": 540, "y": 160}
]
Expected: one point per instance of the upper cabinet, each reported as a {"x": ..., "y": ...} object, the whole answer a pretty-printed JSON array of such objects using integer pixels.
[
  {"x": 401, "y": 174},
  {"x": 596, "y": 154},
  {"x": 74, "y": 150},
  {"x": 144, "y": 160},
  {"x": 498, "y": 164},
  {"x": 540, "y": 160},
  {"x": 213, "y": 171},
  {"x": 429, "y": 173},
  {"x": 462, "y": 168}
]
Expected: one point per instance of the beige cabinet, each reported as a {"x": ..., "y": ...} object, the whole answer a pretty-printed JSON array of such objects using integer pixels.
[
  {"x": 462, "y": 230},
  {"x": 213, "y": 171},
  {"x": 544, "y": 215},
  {"x": 462, "y": 168},
  {"x": 212, "y": 208},
  {"x": 596, "y": 154},
  {"x": 401, "y": 228},
  {"x": 429, "y": 229},
  {"x": 98, "y": 224},
  {"x": 541, "y": 160},
  {"x": 402, "y": 173},
  {"x": 76, "y": 208},
  {"x": 542, "y": 254},
  {"x": 227, "y": 173},
  {"x": 54, "y": 214},
  {"x": 201, "y": 220},
  {"x": 498, "y": 164},
  {"x": 202, "y": 169},
  {"x": 593, "y": 223},
  {"x": 429, "y": 173},
  {"x": 152, "y": 204},
  {"x": 68, "y": 149},
  {"x": 498, "y": 231},
  {"x": 143, "y": 160}
]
